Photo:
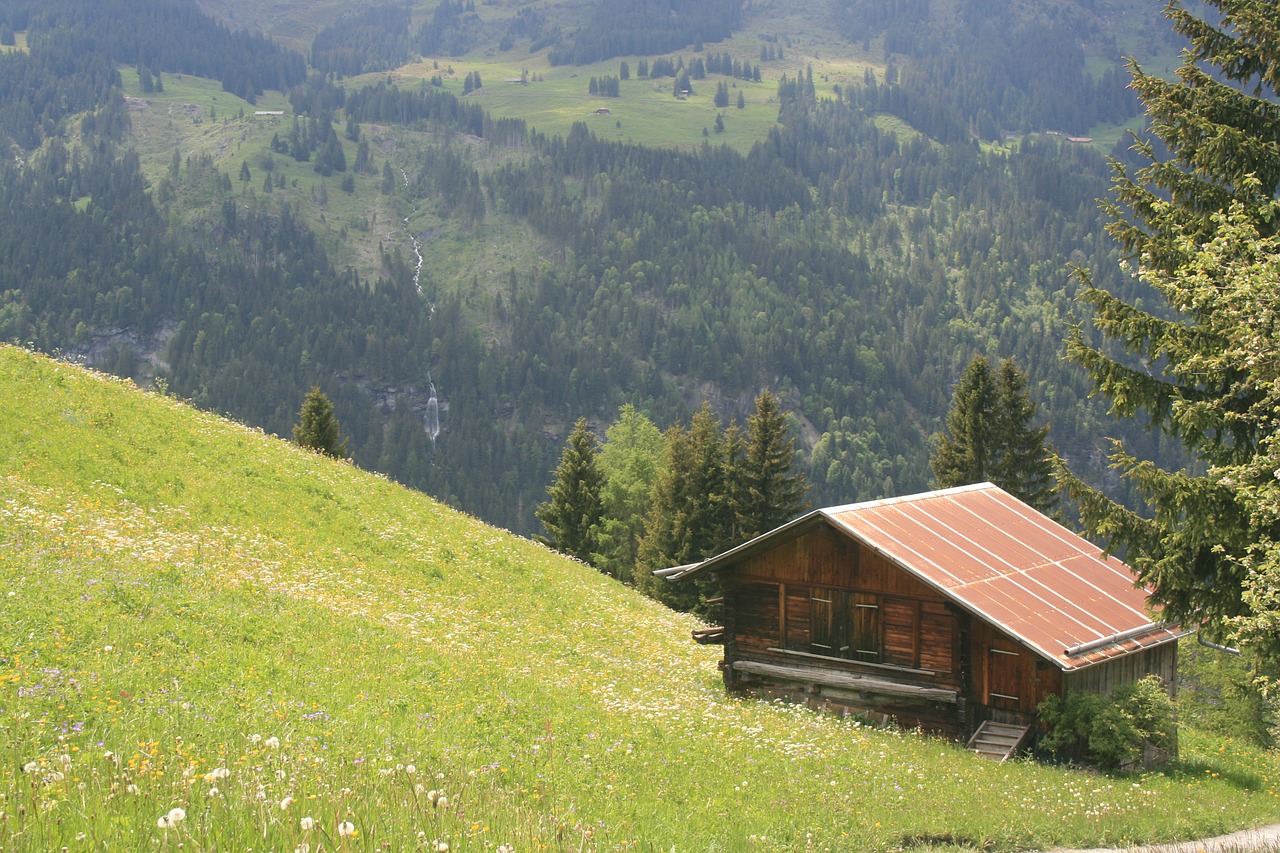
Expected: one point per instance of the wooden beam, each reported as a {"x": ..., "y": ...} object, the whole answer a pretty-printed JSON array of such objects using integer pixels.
[{"x": 844, "y": 680}]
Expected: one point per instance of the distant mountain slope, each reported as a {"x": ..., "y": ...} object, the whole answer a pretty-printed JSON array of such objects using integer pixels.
[
  {"x": 214, "y": 638},
  {"x": 858, "y": 237}
]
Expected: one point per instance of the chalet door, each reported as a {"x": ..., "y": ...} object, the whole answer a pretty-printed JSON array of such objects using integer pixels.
[{"x": 1007, "y": 685}]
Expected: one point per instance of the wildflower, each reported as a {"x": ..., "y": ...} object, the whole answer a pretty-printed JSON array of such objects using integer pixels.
[
  {"x": 132, "y": 789},
  {"x": 272, "y": 742},
  {"x": 285, "y": 803},
  {"x": 410, "y": 769},
  {"x": 30, "y": 767},
  {"x": 172, "y": 819},
  {"x": 346, "y": 828},
  {"x": 217, "y": 773},
  {"x": 443, "y": 802},
  {"x": 307, "y": 824},
  {"x": 441, "y": 846}
]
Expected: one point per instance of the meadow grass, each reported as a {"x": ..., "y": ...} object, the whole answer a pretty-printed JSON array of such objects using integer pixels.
[{"x": 202, "y": 617}]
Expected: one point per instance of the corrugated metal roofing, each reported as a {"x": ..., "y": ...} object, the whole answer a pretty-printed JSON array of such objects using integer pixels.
[{"x": 1005, "y": 562}]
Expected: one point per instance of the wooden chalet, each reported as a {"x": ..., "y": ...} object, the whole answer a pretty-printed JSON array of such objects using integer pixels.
[{"x": 943, "y": 610}]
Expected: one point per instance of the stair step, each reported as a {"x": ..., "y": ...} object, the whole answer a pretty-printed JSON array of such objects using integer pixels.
[{"x": 997, "y": 740}]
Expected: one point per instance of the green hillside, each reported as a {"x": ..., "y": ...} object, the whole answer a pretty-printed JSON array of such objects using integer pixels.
[{"x": 199, "y": 616}]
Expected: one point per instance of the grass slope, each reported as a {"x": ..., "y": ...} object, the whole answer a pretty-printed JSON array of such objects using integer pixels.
[{"x": 201, "y": 617}]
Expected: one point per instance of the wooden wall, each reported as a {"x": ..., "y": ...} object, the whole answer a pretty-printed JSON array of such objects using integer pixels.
[
  {"x": 1107, "y": 676},
  {"x": 1007, "y": 676},
  {"x": 767, "y": 610}
]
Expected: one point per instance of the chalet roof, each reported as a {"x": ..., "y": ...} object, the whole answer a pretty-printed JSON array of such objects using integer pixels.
[{"x": 1001, "y": 560}]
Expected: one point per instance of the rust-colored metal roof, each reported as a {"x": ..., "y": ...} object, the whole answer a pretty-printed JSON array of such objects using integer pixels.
[{"x": 1005, "y": 562}]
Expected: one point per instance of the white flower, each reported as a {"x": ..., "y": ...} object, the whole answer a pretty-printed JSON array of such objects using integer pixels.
[
  {"x": 443, "y": 802},
  {"x": 410, "y": 769},
  {"x": 346, "y": 828},
  {"x": 172, "y": 819},
  {"x": 285, "y": 803},
  {"x": 217, "y": 773},
  {"x": 30, "y": 767},
  {"x": 132, "y": 789},
  {"x": 442, "y": 846},
  {"x": 307, "y": 824},
  {"x": 271, "y": 743}
]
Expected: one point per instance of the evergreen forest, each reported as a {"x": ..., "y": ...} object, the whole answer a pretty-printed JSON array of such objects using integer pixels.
[{"x": 852, "y": 261}]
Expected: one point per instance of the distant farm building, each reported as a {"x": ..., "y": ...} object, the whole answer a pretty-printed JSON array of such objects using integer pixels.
[
  {"x": 602, "y": 111},
  {"x": 268, "y": 113},
  {"x": 947, "y": 610}
]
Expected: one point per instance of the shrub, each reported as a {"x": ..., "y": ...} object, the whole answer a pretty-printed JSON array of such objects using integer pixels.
[{"x": 1111, "y": 732}]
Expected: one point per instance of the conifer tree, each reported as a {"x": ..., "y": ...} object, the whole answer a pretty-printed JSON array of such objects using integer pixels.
[
  {"x": 773, "y": 490},
  {"x": 1023, "y": 467},
  {"x": 690, "y": 518},
  {"x": 990, "y": 437},
  {"x": 1219, "y": 122},
  {"x": 318, "y": 427},
  {"x": 630, "y": 461},
  {"x": 573, "y": 509}
]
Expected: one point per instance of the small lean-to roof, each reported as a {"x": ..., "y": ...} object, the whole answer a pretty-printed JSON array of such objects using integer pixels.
[{"x": 1001, "y": 560}]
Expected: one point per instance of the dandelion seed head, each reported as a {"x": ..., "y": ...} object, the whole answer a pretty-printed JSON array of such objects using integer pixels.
[
  {"x": 307, "y": 824},
  {"x": 346, "y": 828}
]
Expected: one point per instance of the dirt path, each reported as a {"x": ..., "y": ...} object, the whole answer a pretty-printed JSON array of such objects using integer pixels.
[{"x": 1263, "y": 838}]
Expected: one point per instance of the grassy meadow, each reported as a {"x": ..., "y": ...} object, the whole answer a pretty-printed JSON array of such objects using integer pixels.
[{"x": 215, "y": 640}]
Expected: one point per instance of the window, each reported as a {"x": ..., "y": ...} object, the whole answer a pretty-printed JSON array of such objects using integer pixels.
[
  {"x": 868, "y": 627},
  {"x": 841, "y": 624}
]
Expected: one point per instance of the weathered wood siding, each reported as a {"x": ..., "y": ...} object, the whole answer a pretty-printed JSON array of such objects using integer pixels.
[
  {"x": 894, "y": 628},
  {"x": 1006, "y": 675},
  {"x": 1105, "y": 677}
]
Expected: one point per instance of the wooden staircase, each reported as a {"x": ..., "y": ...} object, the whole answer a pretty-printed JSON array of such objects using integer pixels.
[{"x": 998, "y": 741}]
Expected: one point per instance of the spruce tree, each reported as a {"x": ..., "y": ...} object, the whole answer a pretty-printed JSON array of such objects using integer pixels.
[
  {"x": 318, "y": 427},
  {"x": 1023, "y": 466},
  {"x": 690, "y": 518},
  {"x": 990, "y": 436},
  {"x": 961, "y": 454},
  {"x": 774, "y": 490},
  {"x": 573, "y": 509},
  {"x": 1219, "y": 123}
]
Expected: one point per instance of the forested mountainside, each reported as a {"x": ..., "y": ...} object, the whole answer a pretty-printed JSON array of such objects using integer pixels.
[{"x": 853, "y": 260}]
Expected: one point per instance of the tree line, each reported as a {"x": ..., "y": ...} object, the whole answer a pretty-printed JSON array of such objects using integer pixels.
[{"x": 648, "y": 500}]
